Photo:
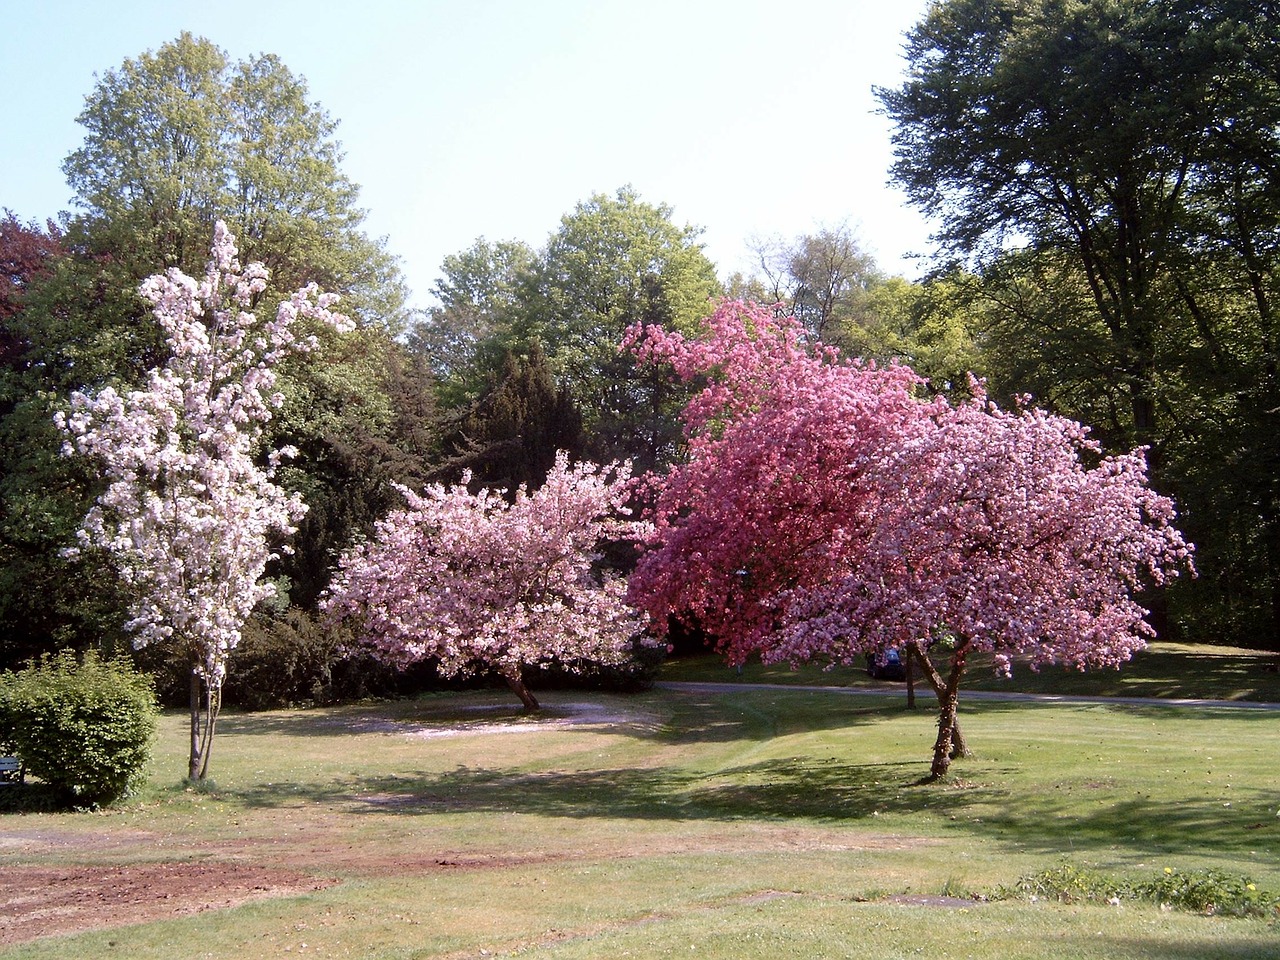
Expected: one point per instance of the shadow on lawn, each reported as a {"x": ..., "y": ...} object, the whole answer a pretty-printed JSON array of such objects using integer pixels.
[
  {"x": 803, "y": 788},
  {"x": 1260, "y": 946},
  {"x": 745, "y": 714},
  {"x": 1054, "y": 825},
  {"x": 762, "y": 714},
  {"x": 1163, "y": 671}
]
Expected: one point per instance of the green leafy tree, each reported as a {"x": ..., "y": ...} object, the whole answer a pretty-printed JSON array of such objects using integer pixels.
[
  {"x": 1071, "y": 126},
  {"x": 824, "y": 279},
  {"x": 465, "y": 334},
  {"x": 615, "y": 261},
  {"x": 934, "y": 327},
  {"x": 180, "y": 137},
  {"x": 1108, "y": 169},
  {"x": 362, "y": 419}
]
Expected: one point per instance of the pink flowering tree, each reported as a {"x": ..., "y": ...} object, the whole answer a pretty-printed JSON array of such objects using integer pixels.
[
  {"x": 479, "y": 583},
  {"x": 191, "y": 510},
  {"x": 826, "y": 511}
]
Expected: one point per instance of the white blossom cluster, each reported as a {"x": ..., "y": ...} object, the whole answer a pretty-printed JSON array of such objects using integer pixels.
[{"x": 190, "y": 514}]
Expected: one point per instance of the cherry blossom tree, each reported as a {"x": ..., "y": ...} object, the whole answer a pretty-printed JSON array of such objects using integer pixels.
[
  {"x": 191, "y": 511},
  {"x": 480, "y": 583},
  {"x": 827, "y": 511}
]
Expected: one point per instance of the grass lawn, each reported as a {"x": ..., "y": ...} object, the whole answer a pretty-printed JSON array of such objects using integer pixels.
[
  {"x": 1163, "y": 670},
  {"x": 747, "y": 824}
]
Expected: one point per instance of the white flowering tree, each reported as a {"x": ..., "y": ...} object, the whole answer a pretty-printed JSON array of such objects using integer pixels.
[{"x": 191, "y": 512}]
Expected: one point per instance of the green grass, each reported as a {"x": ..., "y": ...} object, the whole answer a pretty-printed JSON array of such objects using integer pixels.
[
  {"x": 753, "y": 823},
  {"x": 1163, "y": 670}
]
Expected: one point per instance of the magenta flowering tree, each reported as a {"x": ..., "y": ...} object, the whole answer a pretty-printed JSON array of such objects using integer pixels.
[
  {"x": 480, "y": 583},
  {"x": 191, "y": 510},
  {"x": 826, "y": 511}
]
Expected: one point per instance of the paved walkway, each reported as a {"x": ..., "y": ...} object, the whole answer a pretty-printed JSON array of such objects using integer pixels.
[{"x": 925, "y": 693}]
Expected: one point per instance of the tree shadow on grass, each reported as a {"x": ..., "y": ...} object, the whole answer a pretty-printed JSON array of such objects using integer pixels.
[
  {"x": 1050, "y": 825},
  {"x": 1161, "y": 671},
  {"x": 746, "y": 714},
  {"x": 778, "y": 790},
  {"x": 1260, "y": 946},
  {"x": 763, "y": 714}
]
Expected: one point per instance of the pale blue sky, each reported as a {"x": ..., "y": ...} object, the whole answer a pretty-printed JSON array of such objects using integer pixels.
[{"x": 494, "y": 117}]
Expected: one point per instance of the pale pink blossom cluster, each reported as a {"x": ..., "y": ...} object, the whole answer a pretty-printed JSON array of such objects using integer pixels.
[
  {"x": 827, "y": 510},
  {"x": 189, "y": 515},
  {"x": 481, "y": 583}
]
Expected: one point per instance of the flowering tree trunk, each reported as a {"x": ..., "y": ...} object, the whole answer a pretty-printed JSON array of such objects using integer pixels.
[
  {"x": 950, "y": 743},
  {"x": 515, "y": 680},
  {"x": 206, "y": 701}
]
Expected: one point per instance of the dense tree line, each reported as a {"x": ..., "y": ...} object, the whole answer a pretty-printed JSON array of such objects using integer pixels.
[
  {"x": 517, "y": 360},
  {"x": 206, "y": 140},
  {"x": 1104, "y": 177}
]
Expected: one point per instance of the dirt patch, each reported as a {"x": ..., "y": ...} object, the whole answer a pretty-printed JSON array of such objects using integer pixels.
[
  {"x": 46, "y": 901},
  {"x": 42, "y": 901},
  {"x": 48, "y": 840}
]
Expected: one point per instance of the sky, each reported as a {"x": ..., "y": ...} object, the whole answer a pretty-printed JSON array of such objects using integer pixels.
[{"x": 468, "y": 118}]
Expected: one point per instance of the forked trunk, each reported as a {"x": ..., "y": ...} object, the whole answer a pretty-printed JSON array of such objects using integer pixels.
[
  {"x": 193, "y": 764},
  {"x": 950, "y": 743},
  {"x": 516, "y": 682},
  {"x": 206, "y": 702}
]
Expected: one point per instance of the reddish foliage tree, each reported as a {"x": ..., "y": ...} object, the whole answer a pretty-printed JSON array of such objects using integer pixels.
[
  {"x": 27, "y": 253},
  {"x": 826, "y": 512}
]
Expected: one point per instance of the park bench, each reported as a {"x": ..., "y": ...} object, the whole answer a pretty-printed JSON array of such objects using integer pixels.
[{"x": 11, "y": 770}]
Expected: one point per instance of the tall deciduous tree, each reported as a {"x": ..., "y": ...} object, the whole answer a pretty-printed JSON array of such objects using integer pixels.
[
  {"x": 824, "y": 279},
  {"x": 464, "y": 335},
  {"x": 615, "y": 261},
  {"x": 189, "y": 516},
  {"x": 480, "y": 583},
  {"x": 180, "y": 137},
  {"x": 1119, "y": 160},
  {"x": 1080, "y": 127},
  {"x": 826, "y": 512}
]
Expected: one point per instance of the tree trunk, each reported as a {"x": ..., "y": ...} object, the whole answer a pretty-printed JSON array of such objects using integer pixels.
[
  {"x": 943, "y": 746},
  {"x": 909, "y": 666},
  {"x": 516, "y": 682},
  {"x": 204, "y": 718},
  {"x": 213, "y": 706},
  {"x": 193, "y": 763},
  {"x": 959, "y": 746},
  {"x": 950, "y": 743}
]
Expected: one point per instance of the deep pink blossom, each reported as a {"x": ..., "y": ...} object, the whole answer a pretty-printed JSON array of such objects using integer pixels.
[{"x": 827, "y": 510}]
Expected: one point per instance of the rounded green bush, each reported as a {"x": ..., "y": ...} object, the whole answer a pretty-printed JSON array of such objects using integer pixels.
[{"x": 83, "y": 727}]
